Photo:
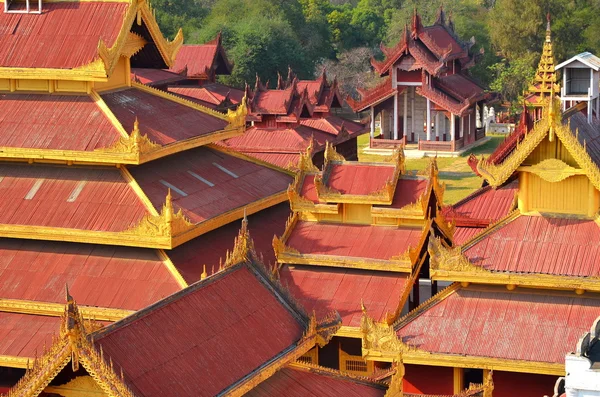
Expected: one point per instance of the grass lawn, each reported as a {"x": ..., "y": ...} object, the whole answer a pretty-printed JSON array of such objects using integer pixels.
[{"x": 454, "y": 171}]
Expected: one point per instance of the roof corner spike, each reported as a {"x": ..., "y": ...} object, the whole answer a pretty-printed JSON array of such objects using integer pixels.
[
  {"x": 203, "y": 275},
  {"x": 548, "y": 30}
]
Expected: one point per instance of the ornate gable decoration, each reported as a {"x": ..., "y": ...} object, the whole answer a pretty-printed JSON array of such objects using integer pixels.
[
  {"x": 129, "y": 43},
  {"x": 72, "y": 345}
]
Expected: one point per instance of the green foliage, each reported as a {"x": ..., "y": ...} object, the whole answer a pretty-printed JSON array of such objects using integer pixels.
[
  {"x": 267, "y": 36},
  {"x": 511, "y": 79}
]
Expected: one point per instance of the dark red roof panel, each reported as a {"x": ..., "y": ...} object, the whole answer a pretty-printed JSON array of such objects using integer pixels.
[
  {"x": 494, "y": 322},
  {"x": 464, "y": 234},
  {"x": 205, "y": 339},
  {"x": 309, "y": 190},
  {"x": 155, "y": 76},
  {"x": 24, "y": 335},
  {"x": 537, "y": 244},
  {"x": 163, "y": 120},
  {"x": 212, "y": 93},
  {"x": 407, "y": 192},
  {"x": 358, "y": 241},
  {"x": 68, "y": 197},
  {"x": 195, "y": 60},
  {"x": 62, "y": 122},
  {"x": 437, "y": 38},
  {"x": 235, "y": 182},
  {"x": 461, "y": 85},
  {"x": 293, "y": 382},
  {"x": 209, "y": 248},
  {"x": 324, "y": 289},
  {"x": 105, "y": 276},
  {"x": 277, "y": 140},
  {"x": 359, "y": 179},
  {"x": 281, "y": 160},
  {"x": 66, "y": 35}
]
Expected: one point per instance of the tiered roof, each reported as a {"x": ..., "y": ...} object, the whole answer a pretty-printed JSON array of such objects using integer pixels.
[
  {"x": 437, "y": 52},
  {"x": 289, "y": 119},
  {"x": 100, "y": 174},
  {"x": 333, "y": 263},
  {"x": 190, "y": 354},
  {"x": 533, "y": 253}
]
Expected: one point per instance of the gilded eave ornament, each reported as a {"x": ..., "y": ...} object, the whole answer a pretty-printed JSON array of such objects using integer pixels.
[
  {"x": 135, "y": 144},
  {"x": 237, "y": 117},
  {"x": 73, "y": 344}
]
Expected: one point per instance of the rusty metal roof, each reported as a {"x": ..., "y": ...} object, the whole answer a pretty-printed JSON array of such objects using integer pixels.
[
  {"x": 324, "y": 289},
  {"x": 485, "y": 321},
  {"x": 68, "y": 197},
  {"x": 295, "y": 382},
  {"x": 163, "y": 120},
  {"x": 358, "y": 241},
  {"x": 205, "y": 338},
  {"x": 210, "y": 248},
  {"x": 206, "y": 183},
  {"x": 538, "y": 244},
  {"x": 63, "y": 122},
  {"x": 104, "y": 276},
  {"x": 65, "y": 36}
]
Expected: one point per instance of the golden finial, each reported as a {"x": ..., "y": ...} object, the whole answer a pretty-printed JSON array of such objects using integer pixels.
[{"x": 204, "y": 274}]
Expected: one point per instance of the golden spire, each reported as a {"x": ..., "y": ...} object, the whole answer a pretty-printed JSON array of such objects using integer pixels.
[{"x": 545, "y": 76}]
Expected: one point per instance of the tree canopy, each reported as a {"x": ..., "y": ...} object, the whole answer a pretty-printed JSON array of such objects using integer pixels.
[{"x": 266, "y": 36}]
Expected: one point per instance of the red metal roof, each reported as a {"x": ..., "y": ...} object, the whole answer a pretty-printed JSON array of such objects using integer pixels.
[
  {"x": 209, "y": 248},
  {"x": 68, "y": 197},
  {"x": 407, "y": 192},
  {"x": 155, "y": 76},
  {"x": 163, "y": 120},
  {"x": 484, "y": 206},
  {"x": 333, "y": 125},
  {"x": 24, "y": 335},
  {"x": 282, "y": 160},
  {"x": 276, "y": 140},
  {"x": 308, "y": 189},
  {"x": 438, "y": 40},
  {"x": 536, "y": 244},
  {"x": 236, "y": 182},
  {"x": 204, "y": 339},
  {"x": 359, "y": 179},
  {"x": 292, "y": 382},
  {"x": 104, "y": 276},
  {"x": 272, "y": 101},
  {"x": 324, "y": 289},
  {"x": 359, "y": 241},
  {"x": 63, "y": 122},
  {"x": 209, "y": 94},
  {"x": 197, "y": 61},
  {"x": 527, "y": 325},
  {"x": 464, "y": 234},
  {"x": 64, "y": 36},
  {"x": 461, "y": 86}
]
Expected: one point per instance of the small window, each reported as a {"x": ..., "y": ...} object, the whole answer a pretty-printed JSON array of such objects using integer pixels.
[
  {"x": 578, "y": 81},
  {"x": 19, "y": 7}
]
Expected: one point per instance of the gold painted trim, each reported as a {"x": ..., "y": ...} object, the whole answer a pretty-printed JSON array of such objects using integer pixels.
[
  {"x": 349, "y": 332},
  {"x": 172, "y": 269},
  {"x": 15, "y": 362},
  {"x": 57, "y": 309}
]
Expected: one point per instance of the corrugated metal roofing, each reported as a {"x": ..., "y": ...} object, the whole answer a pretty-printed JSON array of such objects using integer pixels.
[
  {"x": 272, "y": 101},
  {"x": 485, "y": 205},
  {"x": 324, "y": 289},
  {"x": 462, "y": 85},
  {"x": 588, "y": 133},
  {"x": 309, "y": 190},
  {"x": 293, "y": 382},
  {"x": 407, "y": 192},
  {"x": 209, "y": 248},
  {"x": 359, "y": 179},
  {"x": 536, "y": 244},
  {"x": 155, "y": 76},
  {"x": 333, "y": 125},
  {"x": 278, "y": 140},
  {"x": 464, "y": 234},
  {"x": 39, "y": 196},
  {"x": 527, "y": 325},
  {"x": 201, "y": 202},
  {"x": 437, "y": 38},
  {"x": 163, "y": 120},
  {"x": 195, "y": 60},
  {"x": 24, "y": 335},
  {"x": 65, "y": 36},
  {"x": 205, "y": 339},
  {"x": 104, "y": 276},
  {"x": 282, "y": 160},
  {"x": 63, "y": 122},
  {"x": 359, "y": 241}
]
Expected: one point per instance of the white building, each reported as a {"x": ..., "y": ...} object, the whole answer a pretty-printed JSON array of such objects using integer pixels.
[
  {"x": 582, "y": 367},
  {"x": 581, "y": 83}
]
